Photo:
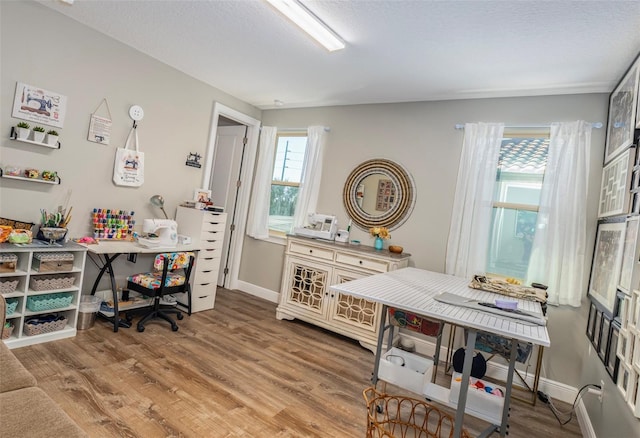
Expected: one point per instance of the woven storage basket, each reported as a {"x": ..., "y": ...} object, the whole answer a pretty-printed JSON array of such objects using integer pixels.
[
  {"x": 6, "y": 331},
  {"x": 52, "y": 261},
  {"x": 48, "y": 282},
  {"x": 31, "y": 329},
  {"x": 8, "y": 286},
  {"x": 39, "y": 303},
  {"x": 12, "y": 304},
  {"x": 8, "y": 262},
  {"x": 392, "y": 416}
]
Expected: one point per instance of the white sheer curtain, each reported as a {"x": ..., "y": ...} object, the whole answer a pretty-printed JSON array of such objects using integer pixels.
[
  {"x": 559, "y": 246},
  {"x": 473, "y": 202},
  {"x": 258, "y": 221},
  {"x": 311, "y": 174}
]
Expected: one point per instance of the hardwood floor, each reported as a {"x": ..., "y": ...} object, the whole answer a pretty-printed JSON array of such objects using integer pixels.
[{"x": 234, "y": 371}]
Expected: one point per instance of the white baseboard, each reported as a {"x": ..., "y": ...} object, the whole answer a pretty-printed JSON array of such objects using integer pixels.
[
  {"x": 260, "y": 292},
  {"x": 583, "y": 420}
]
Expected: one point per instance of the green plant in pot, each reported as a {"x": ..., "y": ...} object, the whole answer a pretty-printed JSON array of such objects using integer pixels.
[
  {"x": 38, "y": 134},
  {"x": 23, "y": 130},
  {"x": 52, "y": 137}
]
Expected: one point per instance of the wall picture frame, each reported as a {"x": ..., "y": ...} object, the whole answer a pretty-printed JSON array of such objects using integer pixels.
[
  {"x": 621, "y": 350},
  {"x": 616, "y": 181},
  {"x": 624, "y": 380},
  {"x": 607, "y": 261},
  {"x": 597, "y": 325},
  {"x": 591, "y": 321},
  {"x": 603, "y": 344},
  {"x": 612, "y": 360},
  {"x": 630, "y": 255},
  {"x": 622, "y": 114},
  {"x": 201, "y": 195}
]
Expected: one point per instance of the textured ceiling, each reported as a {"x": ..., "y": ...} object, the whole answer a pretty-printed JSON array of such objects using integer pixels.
[{"x": 397, "y": 50}]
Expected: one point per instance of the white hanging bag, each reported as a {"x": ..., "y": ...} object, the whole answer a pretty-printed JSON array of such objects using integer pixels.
[{"x": 128, "y": 169}]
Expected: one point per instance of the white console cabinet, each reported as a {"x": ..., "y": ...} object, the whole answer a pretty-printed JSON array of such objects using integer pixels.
[
  {"x": 206, "y": 229},
  {"x": 311, "y": 266},
  {"x": 27, "y": 282}
]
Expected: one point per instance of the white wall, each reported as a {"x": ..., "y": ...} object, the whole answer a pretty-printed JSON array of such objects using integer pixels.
[{"x": 44, "y": 48}]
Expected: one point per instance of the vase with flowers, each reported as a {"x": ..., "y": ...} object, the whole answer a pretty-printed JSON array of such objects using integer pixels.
[{"x": 379, "y": 234}]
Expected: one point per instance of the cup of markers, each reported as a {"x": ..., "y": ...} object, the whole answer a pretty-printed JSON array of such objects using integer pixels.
[{"x": 112, "y": 224}]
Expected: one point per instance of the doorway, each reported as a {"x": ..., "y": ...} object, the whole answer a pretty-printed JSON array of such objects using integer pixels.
[{"x": 228, "y": 173}]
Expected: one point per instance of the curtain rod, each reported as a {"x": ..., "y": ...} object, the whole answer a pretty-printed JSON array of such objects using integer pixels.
[
  {"x": 596, "y": 125},
  {"x": 326, "y": 129}
]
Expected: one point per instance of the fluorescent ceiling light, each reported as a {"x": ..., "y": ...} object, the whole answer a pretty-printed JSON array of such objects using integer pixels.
[{"x": 294, "y": 11}]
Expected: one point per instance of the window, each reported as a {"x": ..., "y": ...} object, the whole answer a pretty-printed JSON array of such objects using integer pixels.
[
  {"x": 521, "y": 167},
  {"x": 285, "y": 184}
]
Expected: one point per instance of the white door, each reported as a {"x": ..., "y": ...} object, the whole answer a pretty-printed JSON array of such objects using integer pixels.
[{"x": 225, "y": 175}]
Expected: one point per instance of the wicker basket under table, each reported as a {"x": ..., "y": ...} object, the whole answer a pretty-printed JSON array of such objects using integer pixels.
[{"x": 393, "y": 416}]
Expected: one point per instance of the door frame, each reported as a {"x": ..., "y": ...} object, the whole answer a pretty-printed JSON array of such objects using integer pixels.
[{"x": 246, "y": 178}]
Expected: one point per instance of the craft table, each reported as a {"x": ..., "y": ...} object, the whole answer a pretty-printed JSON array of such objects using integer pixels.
[
  {"x": 414, "y": 290},
  {"x": 109, "y": 250}
]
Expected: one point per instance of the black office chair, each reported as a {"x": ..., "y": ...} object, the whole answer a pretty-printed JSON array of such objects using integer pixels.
[{"x": 171, "y": 275}]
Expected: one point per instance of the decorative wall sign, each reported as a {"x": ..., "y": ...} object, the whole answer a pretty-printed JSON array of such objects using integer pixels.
[
  {"x": 622, "y": 113},
  {"x": 39, "y": 105},
  {"x": 616, "y": 180},
  {"x": 193, "y": 160},
  {"x": 100, "y": 127},
  {"x": 607, "y": 260}
]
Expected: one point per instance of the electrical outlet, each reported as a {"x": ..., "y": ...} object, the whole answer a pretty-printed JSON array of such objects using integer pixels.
[{"x": 601, "y": 390}]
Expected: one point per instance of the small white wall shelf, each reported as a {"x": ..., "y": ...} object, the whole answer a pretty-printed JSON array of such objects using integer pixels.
[
  {"x": 36, "y": 180},
  {"x": 14, "y": 136}
]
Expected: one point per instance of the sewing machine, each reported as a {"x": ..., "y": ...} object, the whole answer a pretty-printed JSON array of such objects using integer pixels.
[
  {"x": 44, "y": 104},
  {"x": 320, "y": 226},
  {"x": 166, "y": 229}
]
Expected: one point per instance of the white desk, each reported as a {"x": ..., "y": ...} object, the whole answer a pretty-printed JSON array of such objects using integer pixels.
[
  {"x": 414, "y": 290},
  {"x": 108, "y": 251}
]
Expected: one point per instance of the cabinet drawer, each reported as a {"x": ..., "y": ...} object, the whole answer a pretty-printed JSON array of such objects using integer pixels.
[
  {"x": 202, "y": 278},
  {"x": 362, "y": 262},
  {"x": 208, "y": 263},
  {"x": 212, "y": 225},
  {"x": 321, "y": 253},
  {"x": 201, "y": 301},
  {"x": 211, "y": 241}
]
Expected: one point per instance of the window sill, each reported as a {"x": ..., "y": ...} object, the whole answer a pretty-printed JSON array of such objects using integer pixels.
[{"x": 278, "y": 240}]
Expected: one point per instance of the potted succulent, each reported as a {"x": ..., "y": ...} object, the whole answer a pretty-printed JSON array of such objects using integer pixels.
[
  {"x": 52, "y": 137},
  {"x": 23, "y": 130},
  {"x": 38, "y": 134}
]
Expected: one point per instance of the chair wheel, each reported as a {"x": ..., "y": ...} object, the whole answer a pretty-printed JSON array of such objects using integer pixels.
[
  {"x": 180, "y": 316},
  {"x": 129, "y": 317},
  {"x": 174, "y": 328},
  {"x": 140, "y": 329}
]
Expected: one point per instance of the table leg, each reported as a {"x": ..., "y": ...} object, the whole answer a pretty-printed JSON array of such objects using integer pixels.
[
  {"x": 507, "y": 396},
  {"x": 464, "y": 384},
  {"x": 381, "y": 329},
  {"x": 108, "y": 267}
]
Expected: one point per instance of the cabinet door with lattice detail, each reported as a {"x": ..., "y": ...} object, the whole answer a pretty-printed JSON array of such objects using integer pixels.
[
  {"x": 307, "y": 285},
  {"x": 352, "y": 312}
]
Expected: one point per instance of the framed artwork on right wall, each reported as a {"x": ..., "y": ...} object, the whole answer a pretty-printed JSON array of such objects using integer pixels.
[
  {"x": 616, "y": 181},
  {"x": 622, "y": 114},
  {"x": 607, "y": 261}
]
